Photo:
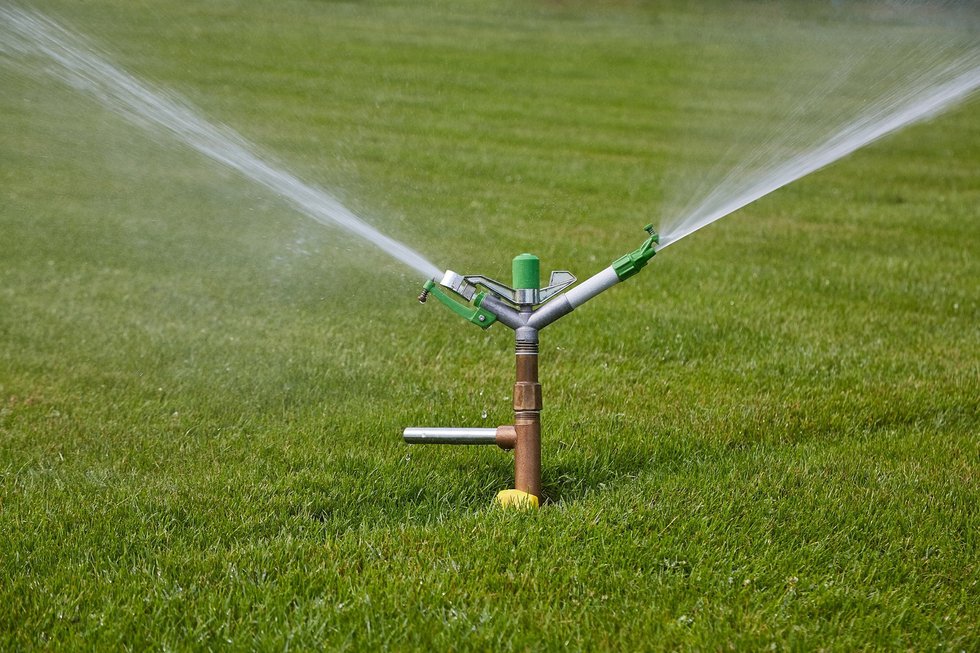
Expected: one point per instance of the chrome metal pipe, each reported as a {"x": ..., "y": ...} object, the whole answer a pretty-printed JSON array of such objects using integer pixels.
[
  {"x": 597, "y": 283},
  {"x": 434, "y": 435},
  {"x": 569, "y": 300}
]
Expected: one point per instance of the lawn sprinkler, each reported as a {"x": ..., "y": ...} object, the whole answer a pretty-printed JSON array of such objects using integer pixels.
[{"x": 526, "y": 308}]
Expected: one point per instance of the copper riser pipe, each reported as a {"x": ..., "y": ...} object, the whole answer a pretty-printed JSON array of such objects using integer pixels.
[{"x": 527, "y": 420}]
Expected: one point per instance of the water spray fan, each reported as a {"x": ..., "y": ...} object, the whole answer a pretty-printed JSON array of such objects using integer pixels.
[{"x": 527, "y": 308}]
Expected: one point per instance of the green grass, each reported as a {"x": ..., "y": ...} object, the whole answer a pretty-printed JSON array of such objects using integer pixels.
[{"x": 770, "y": 437}]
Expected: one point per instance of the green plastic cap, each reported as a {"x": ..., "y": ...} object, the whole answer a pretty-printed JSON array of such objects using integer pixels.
[{"x": 527, "y": 272}]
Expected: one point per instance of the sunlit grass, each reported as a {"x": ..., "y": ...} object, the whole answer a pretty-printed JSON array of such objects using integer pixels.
[{"x": 770, "y": 436}]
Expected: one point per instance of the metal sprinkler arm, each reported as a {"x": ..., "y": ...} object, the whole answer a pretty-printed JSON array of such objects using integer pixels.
[
  {"x": 621, "y": 269},
  {"x": 507, "y": 315}
]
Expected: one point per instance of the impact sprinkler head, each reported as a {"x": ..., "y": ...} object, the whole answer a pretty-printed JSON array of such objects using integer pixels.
[{"x": 526, "y": 308}]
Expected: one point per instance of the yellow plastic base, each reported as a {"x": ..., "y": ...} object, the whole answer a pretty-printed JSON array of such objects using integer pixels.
[{"x": 517, "y": 500}]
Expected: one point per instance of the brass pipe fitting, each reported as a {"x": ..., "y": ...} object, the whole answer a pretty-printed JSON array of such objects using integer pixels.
[{"x": 506, "y": 437}]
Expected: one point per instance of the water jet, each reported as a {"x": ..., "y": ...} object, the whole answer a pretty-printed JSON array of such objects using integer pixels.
[{"x": 527, "y": 308}]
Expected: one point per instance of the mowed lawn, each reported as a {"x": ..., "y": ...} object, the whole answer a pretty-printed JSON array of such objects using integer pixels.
[{"x": 768, "y": 438}]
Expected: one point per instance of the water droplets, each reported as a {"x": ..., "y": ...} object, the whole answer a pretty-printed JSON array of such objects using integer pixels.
[{"x": 75, "y": 63}]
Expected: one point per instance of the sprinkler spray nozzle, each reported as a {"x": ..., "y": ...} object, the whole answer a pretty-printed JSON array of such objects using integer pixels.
[{"x": 628, "y": 265}]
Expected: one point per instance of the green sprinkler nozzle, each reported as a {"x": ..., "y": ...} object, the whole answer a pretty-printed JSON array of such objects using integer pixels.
[{"x": 628, "y": 265}]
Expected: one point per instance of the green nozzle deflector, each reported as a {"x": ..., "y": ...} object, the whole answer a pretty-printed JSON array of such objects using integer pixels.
[
  {"x": 478, "y": 316},
  {"x": 527, "y": 272}
]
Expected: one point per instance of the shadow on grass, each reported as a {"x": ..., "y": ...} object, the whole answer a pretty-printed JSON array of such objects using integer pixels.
[{"x": 574, "y": 474}]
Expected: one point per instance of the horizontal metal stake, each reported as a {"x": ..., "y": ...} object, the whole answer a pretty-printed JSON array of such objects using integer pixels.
[{"x": 434, "y": 435}]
